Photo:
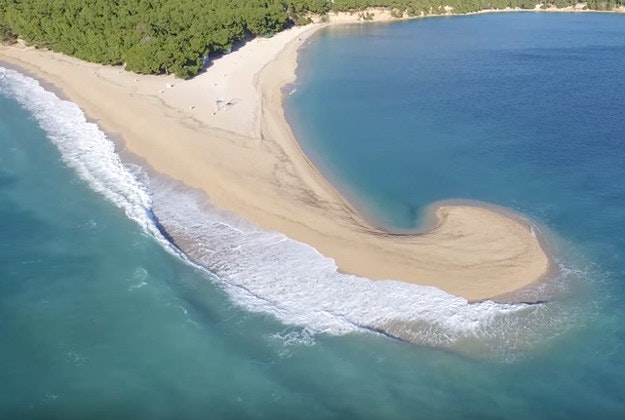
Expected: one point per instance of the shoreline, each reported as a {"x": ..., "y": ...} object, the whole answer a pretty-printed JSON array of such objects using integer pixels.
[
  {"x": 249, "y": 162},
  {"x": 381, "y": 14}
]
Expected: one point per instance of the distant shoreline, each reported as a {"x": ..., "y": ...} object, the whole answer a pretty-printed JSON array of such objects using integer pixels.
[
  {"x": 381, "y": 14},
  {"x": 224, "y": 133}
]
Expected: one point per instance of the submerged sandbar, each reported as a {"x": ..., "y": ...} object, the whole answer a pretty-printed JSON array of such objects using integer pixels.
[{"x": 225, "y": 133}]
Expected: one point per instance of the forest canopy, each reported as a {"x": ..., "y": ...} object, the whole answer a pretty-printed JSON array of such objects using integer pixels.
[{"x": 175, "y": 36}]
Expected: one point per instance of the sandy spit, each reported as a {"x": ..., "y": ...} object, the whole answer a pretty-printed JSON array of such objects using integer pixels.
[{"x": 224, "y": 133}]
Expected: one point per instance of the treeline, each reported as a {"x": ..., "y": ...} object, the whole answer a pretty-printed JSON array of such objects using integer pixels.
[
  {"x": 150, "y": 36},
  {"x": 174, "y": 36}
]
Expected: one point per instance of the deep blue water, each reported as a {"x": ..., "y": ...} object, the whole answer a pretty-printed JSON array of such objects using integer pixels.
[
  {"x": 521, "y": 111},
  {"x": 100, "y": 317}
]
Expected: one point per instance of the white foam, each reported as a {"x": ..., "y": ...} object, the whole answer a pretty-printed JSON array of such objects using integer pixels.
[
  {"x": 291, "y": 337},
  {"x": 83, "y": 146},
  {"x": 294, "y": 337},
  {"x": 268, "y": 272},
  {"x": 265, "y": 271}
]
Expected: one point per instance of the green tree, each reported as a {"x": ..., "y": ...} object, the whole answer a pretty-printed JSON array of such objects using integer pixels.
[{"x": 165, "y": 36}]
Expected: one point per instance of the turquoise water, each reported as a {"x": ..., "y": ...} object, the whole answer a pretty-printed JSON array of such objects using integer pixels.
[{"x": 101, "y": 317}]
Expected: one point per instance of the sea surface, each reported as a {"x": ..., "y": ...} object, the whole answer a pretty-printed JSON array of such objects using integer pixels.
[{"x": 101, "y": 316}]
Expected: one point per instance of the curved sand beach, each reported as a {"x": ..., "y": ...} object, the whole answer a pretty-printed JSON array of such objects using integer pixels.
[{"x": 224, "y": 133}]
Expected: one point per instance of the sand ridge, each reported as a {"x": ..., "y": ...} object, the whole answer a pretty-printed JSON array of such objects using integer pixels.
[{"x": 224, "y": 132}]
